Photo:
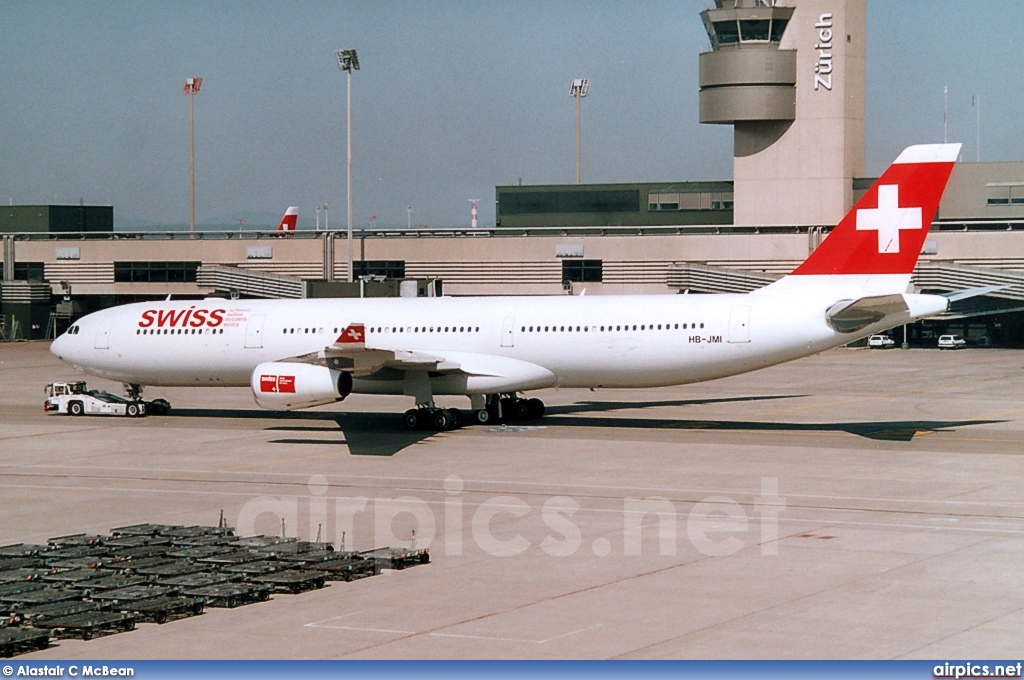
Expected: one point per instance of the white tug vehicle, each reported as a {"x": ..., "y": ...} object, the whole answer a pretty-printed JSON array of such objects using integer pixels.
[{"x": 72, "y": 398}]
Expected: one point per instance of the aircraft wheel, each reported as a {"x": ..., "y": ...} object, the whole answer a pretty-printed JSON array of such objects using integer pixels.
[
  {"x": 520, "y": 409},
  {"x": 458, "y": 418},
  {"x": 133, "y": 410},
  {"x": 535, "y": 408},
  {"x": 412, "y": 419},
  {"x": 482, "y": 416},
  {"x": 75, "y": 408},
  {"x": 442, "y": 420},
  {"x": 160, "y": 407}
]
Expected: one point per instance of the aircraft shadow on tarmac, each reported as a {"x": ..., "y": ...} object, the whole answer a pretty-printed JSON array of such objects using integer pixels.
[
  {"x": 887, "y": 430},
  {"x": 379, "y": 434},
  {"x": 605, "y": 406},
  {"x": 365, "y": 434}
]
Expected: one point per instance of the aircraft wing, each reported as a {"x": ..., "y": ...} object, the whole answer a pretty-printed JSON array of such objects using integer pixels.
[
  {"x": 350, "y": 353},
  {"x": 468, "y": 372}
]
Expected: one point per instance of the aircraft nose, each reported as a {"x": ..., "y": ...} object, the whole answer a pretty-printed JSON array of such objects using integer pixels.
[{"x": 59, "y": 347}]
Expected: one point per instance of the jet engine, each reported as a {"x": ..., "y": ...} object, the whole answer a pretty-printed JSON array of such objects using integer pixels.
[{"x": 283, "y": 386}]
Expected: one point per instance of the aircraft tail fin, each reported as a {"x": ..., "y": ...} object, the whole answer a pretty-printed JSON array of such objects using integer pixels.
[
  {"x": 877, "y": 244},
  {"x": 290, "y": 219}
]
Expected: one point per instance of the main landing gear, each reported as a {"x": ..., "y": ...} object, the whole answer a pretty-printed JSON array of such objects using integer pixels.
[{"x": 497, "y": 408}]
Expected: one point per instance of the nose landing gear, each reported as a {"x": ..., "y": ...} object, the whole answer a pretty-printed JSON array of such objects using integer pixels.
[{"x": 157, "y": 407}]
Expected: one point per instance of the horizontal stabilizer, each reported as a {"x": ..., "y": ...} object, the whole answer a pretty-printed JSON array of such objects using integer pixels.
[
  {"x": 847, "y": 316},
  {"x": 955, "y": 295}
]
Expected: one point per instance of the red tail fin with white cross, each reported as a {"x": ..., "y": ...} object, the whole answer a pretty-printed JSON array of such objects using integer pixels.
[
  {"x": 885, "y": 230},
  {"x": 290, "y": 219}
]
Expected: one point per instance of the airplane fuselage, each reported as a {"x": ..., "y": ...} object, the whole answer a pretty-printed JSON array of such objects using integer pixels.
[{"x": 598, "y": 341}]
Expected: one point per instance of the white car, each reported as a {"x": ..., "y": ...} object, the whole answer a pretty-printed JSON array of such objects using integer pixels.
[
  {"x": 951, "y": 342},
  {"x": 881, "y": 342}
]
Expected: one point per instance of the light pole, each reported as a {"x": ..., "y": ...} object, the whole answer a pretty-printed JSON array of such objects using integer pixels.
[
  {"x": 191, "y": 88},
  {"x": 578, "y": 89},
  {"x": 348, "y": 61},
  {"x": 977, "y": 130}
]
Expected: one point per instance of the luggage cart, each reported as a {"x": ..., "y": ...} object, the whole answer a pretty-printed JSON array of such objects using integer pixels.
[
  {"x": 150, "y": 603},
  {"x": 81, "y": 540},
  {"x": 22, "y": 640},
  {"x": 111, "y": 582},
  {"x": 120, "y": 546},
  {"x": 86, "y": 625},
  {"x": 258, "y": 568},
  {"x": 144, "y": 529},
  {"x": 236, "y": 557},
  {"x": 258, "y": 542},
  {"x": 198, "y": 552},
  {"x": 21, "y": 586},
  {"x": 8, "y": 563},
  {"x": 40, "y": 596},
  {"x": 345, "y": 567},
  {"x": 133, "y": 565},
  {"x": 21, "y": 550},
  {"x": 36, "y": 614},
  {"x": 292, "y": 581},
  {"x": 175, "y": 568},
  {"x": 398, "y": 558},
  {"x": 165, "y": 608},
  {"x": 194, "y": 532},
  {"x": 72, "y": 576},
  {"x": 208, "y": 539},
  {"x": 228, "y": 594},
  {"x": 72, "y": 552}
]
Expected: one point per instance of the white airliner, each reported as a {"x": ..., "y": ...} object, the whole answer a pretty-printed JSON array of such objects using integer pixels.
[{"x": 302, "y": 353}]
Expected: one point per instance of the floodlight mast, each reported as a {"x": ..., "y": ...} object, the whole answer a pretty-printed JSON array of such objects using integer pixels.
[
  {"x": 192, "y": 86},
  {"x": 348, "y": 61},
  {"x": 578, "y": 89}
]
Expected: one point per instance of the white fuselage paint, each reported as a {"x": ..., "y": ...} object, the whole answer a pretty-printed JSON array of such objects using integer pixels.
[{"x": 677, "y": 338}]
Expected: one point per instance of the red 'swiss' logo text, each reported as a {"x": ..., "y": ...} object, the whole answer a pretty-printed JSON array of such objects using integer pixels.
[
  {"x": 182, "y": 318},
  {"x": 277, "y": 383}
]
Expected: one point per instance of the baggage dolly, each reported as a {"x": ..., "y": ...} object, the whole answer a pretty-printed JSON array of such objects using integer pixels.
[
  {"x": 164, "y": 608},
  {"x": 86, "y": 625},
  {"x": 292, "y": 581},
  {"x": 398, "y": 558},
  {"x": 345, "y": 567},
  {"x": 22, "y": 640},
  {"x": 228, "y": 594}
]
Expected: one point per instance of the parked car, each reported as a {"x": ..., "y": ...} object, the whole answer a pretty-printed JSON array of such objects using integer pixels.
[
  {"x": 951, "y": 342},
  {"x": 881, "y": 342}
]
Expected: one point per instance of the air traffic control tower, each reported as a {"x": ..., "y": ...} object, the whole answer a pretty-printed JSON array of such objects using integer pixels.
[{"x": 789, "y": 76}]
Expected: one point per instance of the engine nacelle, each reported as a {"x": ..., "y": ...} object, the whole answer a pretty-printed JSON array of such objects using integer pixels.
[{"x": 283, "y": 386}]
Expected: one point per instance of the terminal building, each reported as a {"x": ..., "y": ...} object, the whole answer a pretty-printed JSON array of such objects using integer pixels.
[{"x": 788, "y": 76}]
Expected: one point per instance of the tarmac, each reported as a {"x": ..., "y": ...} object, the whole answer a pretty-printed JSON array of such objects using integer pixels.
[{"x": 855, "y": 504}]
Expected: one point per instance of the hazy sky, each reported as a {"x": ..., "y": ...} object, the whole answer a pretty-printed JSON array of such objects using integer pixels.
[{"x": 452, "y": 99}]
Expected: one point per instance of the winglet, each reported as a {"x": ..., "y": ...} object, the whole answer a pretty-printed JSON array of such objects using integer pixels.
[{"x": 290, "y": 219}]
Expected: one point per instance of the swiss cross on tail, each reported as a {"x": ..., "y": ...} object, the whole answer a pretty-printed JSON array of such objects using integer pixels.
[
  {"x": 353, "y": 337},
  {"x": 885, "y": 231}
]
